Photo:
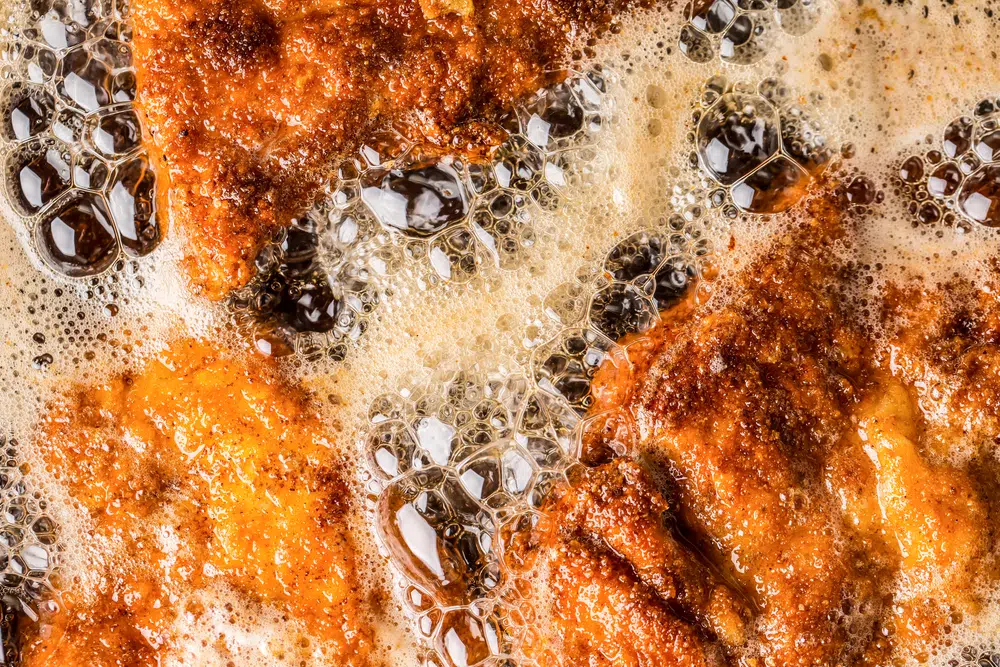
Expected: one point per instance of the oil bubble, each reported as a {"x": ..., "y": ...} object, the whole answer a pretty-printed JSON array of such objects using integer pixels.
[{"x": 78, "y": 238}]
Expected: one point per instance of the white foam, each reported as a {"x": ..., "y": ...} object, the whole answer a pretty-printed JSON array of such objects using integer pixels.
[{"x": 868, "y": 98}]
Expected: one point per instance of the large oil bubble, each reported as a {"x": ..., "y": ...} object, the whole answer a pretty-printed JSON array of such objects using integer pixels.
[
  {"x": 78, "y": 238},
  {"x": 41, "y": 174},
  {"x": 980, "y": 196},
  {"x": 760, "y": 145},
  {"x": 28, "y": 112},
  {"x": 419, "y": 200},
  {"x": 736, "y": 135},
  {"x": 773, "y": 188}
]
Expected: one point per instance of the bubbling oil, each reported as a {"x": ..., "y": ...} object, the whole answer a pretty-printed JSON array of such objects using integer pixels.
[
  {"x": 688, "y": 147},
  {"x": 394, "y": 217},
  {"x": 71, "y": 143}
]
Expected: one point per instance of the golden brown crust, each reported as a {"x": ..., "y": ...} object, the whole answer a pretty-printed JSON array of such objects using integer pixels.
[
  {"x": 948, "y": 338},
  {"x": 802, "y": 465},
  {"x": 249, "y": 101},
  {"x": 229, "y": 459},
  {"x": 618, "y": 583}
]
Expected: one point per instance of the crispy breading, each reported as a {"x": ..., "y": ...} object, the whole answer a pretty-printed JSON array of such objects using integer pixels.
[
  {"x": 618, "y": 586},
  {"x": 250, "y": 102},
  {"x": 802, "y": 467},
  {"x": 231, "y": 460}
]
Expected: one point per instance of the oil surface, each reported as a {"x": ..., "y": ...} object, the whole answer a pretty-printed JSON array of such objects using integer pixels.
[{"x": 696, "y": 137}]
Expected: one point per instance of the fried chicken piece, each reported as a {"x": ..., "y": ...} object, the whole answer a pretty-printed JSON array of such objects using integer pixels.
[
  {"x": 801, "y": 463},
  {"x": 935, "y": 510},
  {"x": 249, "y": 102},
  {"x": 927, "y": 524},
  {"x": 606, "y": 618},
  {"x": 200, "y": 470},
  {"x": 738, "y": 404},
  {"x": 933, "y": 513},
  {"x": 617, "y": 586},
  {"x": 931, "y": 510}
]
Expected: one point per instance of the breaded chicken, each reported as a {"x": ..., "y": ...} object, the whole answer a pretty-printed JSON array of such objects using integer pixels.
[
  {"x": 739, "y": 405},
  {"x": 619, "y": 587},
  {"x": 933, "y": 514},
  {"x": 250, "y": 102},
  {"x": 801, "y": 464},
  {"x": 199, "y": 471}
]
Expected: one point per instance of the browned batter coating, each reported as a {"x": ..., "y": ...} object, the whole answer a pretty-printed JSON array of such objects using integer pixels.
[
  {"x": 803, "y": 465},
  {"x": 620, "y": 588},
  {"x": 249, "y": 102},
  {"x": 739, "y": 405},
  {"x": 949, "y": 336},
  {"x": 201, "y": 477},
  {"x": 943, "y": 405}
]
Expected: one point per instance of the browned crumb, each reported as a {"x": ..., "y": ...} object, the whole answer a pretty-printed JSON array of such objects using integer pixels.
[
  {"x": 231, "y": 460},
  {"x": 249, "y": 102}
]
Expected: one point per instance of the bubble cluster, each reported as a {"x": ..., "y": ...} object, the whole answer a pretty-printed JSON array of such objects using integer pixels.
[
  {"x": 464, "y": 461},
  {"x": 461, "y": 462},
  {"x": 28, "y": 552},
  {"x": 300, "y": 304},
  {"x": 644, "y": 274},
  {"x": 71, "y": 142},
  {"x": 741, "y": 32},
  {"x": 984, "y": 655},
  {"x": 395, "y": 210},
  {"x": 958, "y": 183},
  {"x": 759, "y": 145},
  {"x": 8, "y": 630}
]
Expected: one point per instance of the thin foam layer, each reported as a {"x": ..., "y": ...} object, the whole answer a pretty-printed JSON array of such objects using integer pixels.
[{"x": 885, "y": 79}]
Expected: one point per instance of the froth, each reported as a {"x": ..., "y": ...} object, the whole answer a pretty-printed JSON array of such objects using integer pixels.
[{"x": 883, "y": 82}]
